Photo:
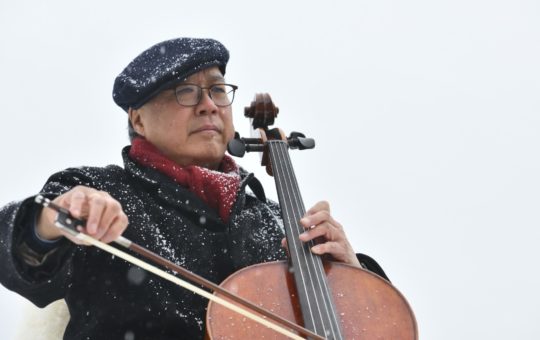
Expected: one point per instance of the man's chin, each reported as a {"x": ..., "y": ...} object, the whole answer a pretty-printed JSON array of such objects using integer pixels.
[{"x": 210, "y": 157}]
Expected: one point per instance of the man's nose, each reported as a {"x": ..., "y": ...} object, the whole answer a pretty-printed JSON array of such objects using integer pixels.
[{"x": 206, "y": 105}]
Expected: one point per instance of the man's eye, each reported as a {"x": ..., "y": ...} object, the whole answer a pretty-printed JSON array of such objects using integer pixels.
[
  {"x": 218, "y": 89},
  {"x": 184, "y": 90}
]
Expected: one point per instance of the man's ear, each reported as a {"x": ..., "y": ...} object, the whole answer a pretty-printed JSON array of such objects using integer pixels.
[{"x": 136, "y": 121}]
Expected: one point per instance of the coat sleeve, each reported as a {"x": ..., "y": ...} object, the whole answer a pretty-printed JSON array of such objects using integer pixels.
[
  {"x": 370, "y": 264},
  {"x": 39, "y": 276}
]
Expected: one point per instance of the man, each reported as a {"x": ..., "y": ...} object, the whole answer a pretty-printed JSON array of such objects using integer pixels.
[{"x": 178, "y": 194}]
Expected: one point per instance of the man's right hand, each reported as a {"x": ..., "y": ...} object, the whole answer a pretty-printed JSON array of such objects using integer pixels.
[{"x": 105, "y": 219}]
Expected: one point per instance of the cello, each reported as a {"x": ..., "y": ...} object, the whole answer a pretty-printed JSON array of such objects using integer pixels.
[{"x": 333, "y": 300}]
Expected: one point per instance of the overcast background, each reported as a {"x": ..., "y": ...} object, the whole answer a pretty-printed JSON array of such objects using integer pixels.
[{"x": 425, "y": 114}]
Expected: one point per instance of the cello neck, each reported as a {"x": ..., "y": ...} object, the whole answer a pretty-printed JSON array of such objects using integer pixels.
[{"x": 315, "y": 299}]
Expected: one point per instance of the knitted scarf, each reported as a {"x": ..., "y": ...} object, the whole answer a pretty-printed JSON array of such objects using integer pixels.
[{"x": 217, "y": 188}]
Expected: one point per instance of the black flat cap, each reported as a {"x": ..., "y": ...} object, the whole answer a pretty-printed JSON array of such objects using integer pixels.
[{"x": 164, "y": 65}]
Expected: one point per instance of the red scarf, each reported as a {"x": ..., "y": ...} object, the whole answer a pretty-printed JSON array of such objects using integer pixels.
[{"x": 217, "y": 188}]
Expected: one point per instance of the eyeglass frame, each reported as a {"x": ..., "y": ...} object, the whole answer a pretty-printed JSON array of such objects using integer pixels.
[{"x": 234, "y": 88}]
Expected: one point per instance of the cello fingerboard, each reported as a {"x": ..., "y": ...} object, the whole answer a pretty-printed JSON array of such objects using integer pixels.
[{"x": 318, "y": 309}]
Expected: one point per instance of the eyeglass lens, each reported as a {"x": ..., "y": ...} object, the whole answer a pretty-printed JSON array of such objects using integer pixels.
[{"x": 191, "y": 94}]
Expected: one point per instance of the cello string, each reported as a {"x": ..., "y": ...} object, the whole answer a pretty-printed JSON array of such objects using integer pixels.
[
  {"x": 306, "y": 254},
  {"x": 298, "y": 212},
  {"x": 315, "y": 259},
  {"x": 316, "y": 262},
  {"x": 285, "y": 167},
  {"x": 319, "y": 270},
  {"x": 276, "y": 166}
]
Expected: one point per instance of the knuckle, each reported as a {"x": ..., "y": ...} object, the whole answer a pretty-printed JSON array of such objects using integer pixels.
[
  {"x": 325, "y": 205},
  {"x": 325, "y": 214},
  {"x": 93, "y": 217},
  {"x": 83, "y": 190},
  {"x": 96, "y": 199},
  {"x": 311, "y": 234},
  {"x": 324, "y": 226},
  {"x": 322, "y": 248},
  {"x": 332, "y": 249},
  {"x": 101, "y": 233},
  {"x": 124, "y": 219},
  {"x": 113, "y": 206},
  {"x": 117, "y": 229},
  {"x": 339, "y": 248},
  {"x": 77, "y": 193},
  {"x": 116, "y": 206},
  {"x": 328, "y": 234},
  {"x": 106, "y": 196},
  {"x": 78, "y": 188},
  {"x": 120, "y": 227},
  {"x": 336, "y": 250},
  {"x": 328, "y": 249},
  {"x": 339, "y": 235}
]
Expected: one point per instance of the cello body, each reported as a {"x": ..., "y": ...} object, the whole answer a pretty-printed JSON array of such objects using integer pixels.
[{"x": 368, "y": 306}]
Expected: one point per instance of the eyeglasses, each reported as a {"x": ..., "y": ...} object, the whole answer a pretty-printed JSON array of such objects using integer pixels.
[{"x": 190, "y": 94}]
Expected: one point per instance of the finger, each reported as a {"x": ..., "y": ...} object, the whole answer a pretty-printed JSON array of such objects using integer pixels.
[
  {"x": 319, "y": 217},
  {"x": 116, "y": 229},
  {"x": 335, "y": 249},
  {"x": 76, "y": 201},
  {"x": 319, "y": 206},
  {"x": 108, "y": 217},
  {"x": 111, "y": 213},
  {"x": 96, "y": 206},
  {"x": 324, "y": 229}
]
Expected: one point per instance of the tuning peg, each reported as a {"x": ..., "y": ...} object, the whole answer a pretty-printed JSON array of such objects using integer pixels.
[
  {"x": 305, "y": 143},
  {"x": 296, "y": 134},
  {"x": 299, "y": 140},
  {"x": 236, "y": 146}
]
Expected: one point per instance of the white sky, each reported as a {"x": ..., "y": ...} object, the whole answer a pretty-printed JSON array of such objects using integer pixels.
[{"x": 425, "y": 113}]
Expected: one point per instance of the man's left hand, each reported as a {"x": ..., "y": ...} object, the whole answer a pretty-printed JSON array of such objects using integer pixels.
[{"x": 319, "y": 223}]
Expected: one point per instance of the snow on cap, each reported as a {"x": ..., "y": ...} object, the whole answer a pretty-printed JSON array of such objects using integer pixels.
[{"x": 164, "y": 65}]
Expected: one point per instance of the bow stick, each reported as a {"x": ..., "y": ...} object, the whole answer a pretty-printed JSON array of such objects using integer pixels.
[{"x": 68, "y": 223}]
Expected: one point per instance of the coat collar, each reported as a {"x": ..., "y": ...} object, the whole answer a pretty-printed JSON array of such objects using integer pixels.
[{"x": 174, "y": 194}]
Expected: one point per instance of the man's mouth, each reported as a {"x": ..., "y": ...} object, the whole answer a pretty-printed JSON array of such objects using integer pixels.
[{"x": 207, "y": 127}]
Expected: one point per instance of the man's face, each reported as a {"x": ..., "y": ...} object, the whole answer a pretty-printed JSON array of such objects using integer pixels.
[{"x": 195, "y": 135}]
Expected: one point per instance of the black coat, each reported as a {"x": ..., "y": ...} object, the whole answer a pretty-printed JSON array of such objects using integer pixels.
[{"x": 111, "y": 299}]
